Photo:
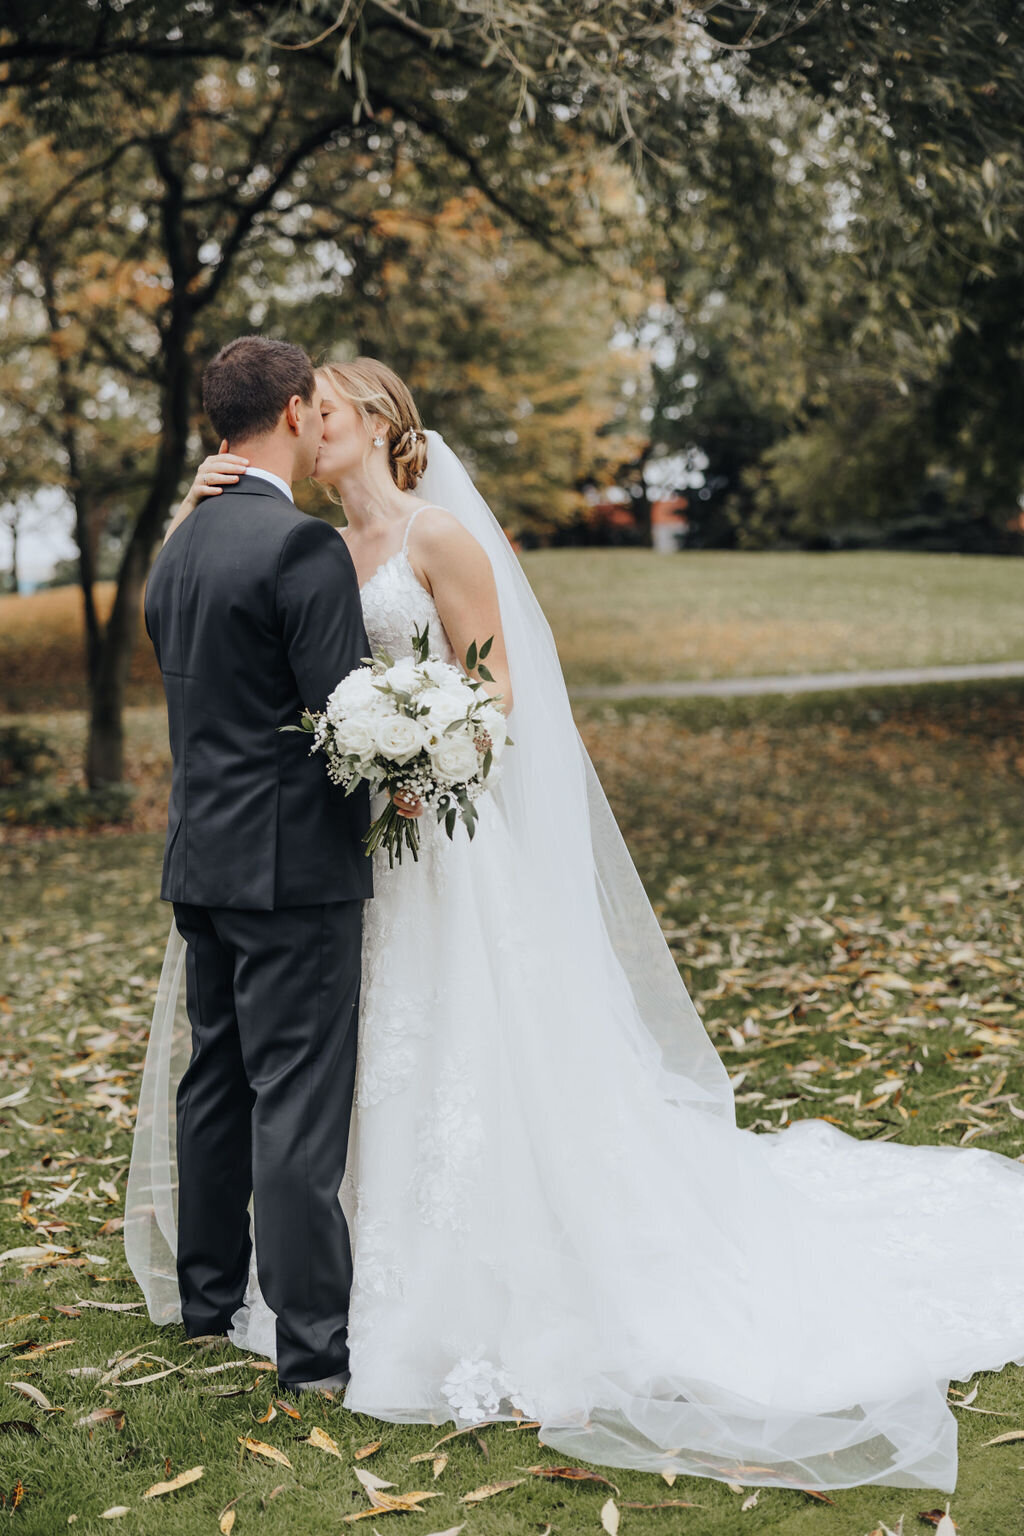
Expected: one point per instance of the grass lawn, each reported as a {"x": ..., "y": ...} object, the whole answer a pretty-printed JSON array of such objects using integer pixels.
[
  {"x": 630, "y": 615},
  {"x": 841, "y": 879},
  {"x": 633, "y": 616}
]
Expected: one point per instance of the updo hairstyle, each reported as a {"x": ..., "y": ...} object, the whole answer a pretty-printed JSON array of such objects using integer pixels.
[{"x": 376, "y": 391}]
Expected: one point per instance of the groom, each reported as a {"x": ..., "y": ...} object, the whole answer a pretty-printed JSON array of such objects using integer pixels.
[{"x": 253, "y": 610}]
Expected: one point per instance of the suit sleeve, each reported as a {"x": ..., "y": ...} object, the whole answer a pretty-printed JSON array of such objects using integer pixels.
[{"x": 318, "y": 607}]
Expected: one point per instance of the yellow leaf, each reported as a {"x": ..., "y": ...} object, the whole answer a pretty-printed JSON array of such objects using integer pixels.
[
  {"x": 259, "y": 1448},
  {"x": 610, "y": 1517},
  {"x": 440, "y": 1462},
  {"x": 669, "y": 1477},
  {"x": 43, "y": 1349},
  {"x": 368, "y": 1450},
  {"x": 227, "y": 1519},
  {"x": 323, "y": 1442},
  {"x": 181, "y": 1481},
  {"x": 489, "y": 1490}
]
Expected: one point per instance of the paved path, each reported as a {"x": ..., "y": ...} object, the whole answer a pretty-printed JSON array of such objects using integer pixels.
[{"x": 806, "y": 682}]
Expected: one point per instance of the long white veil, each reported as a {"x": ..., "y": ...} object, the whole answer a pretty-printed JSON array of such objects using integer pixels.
[{"x": 569, "y": 840}]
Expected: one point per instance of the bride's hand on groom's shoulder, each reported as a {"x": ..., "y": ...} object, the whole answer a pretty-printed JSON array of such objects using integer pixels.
[{"x": 217, "y": 470}]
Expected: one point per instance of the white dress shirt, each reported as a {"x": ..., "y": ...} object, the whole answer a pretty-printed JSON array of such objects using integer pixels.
[{"x": 268, "y": 474}]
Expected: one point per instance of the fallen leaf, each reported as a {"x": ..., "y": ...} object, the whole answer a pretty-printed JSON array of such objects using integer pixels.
[
  {"x": 34, "y": 1395},
  {"x": 293, "y": 1413},
  {"x": 489, "y": 1490},
  {"x": 440, "y": 1462},
  {"x": 43, "y": 1349},
  {"x": 386, "y": 1503},
  {"x": 113, "y": 1416},
  {"x": 670, "y": 1478},
  {"x": 666, "y": 1504},
  {"x": 368, "y": 1450},
  {"x": 182, "y": 1480},
  {"x": 1010, "y": 1436},
  {"x": 570, "y": 1475},
  {"x": 812, "y": 1493},
  {"x": 17, "y": 1427},
  {"x": 610, "y": 1517},
  {"x": 751, "y": 1501},
  {"x": 115, "y": 1512},
  {"x": 370, "y": 1482},
  {"x": 259, "y": 1448},
  {"x": 271, "y": 1413},
  {"x": 226, "y": 1519},
  {"x": 323, "y": 1442}
]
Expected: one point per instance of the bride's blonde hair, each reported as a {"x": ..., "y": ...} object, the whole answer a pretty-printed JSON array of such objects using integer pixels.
[{"x": 376, "y": 391}]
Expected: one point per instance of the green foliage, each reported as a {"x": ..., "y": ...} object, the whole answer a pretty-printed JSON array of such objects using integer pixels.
[{"x": 31, "y": 797}]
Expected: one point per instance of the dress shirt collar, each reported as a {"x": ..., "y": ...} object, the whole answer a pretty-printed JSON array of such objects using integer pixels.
[{"x": 267, "y": 474}]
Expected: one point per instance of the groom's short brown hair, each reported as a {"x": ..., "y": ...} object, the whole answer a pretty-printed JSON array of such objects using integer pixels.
[{"x": 249, "y": 383}]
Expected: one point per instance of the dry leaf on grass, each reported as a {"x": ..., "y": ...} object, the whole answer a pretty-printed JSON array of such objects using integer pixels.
[
  {"x": 751, "y": 1501},
  {"x": 293, "y": 1413},
  {"x": 670, "y": 1478},
  {"x": 226, "y": 1518},
  {"x": 323, "y": 1442},
  {"x": 387, "y": 1504},
  {"x": 43, "y": 1349},
  {"x": 115, "y": 1512},
  {"x": 182, "y": 1480},
  {"x": 269, "y": 1452},
  {"x": 370, "y": 1481},
  {"x": 489, "y": 1490},
  {"x": 368, "y": 1450},
  {"x": 17, "y": 1427},
  {"x": 1007, "y": 1439},
  {"x": 610, "y": 1517},
  {"x": 440, "y": 1462},
  {"x": 812, "y": 1493},
  {"x": 665, "y": 1504},
  {"x": 571, "y": 1475},
  {"x": 271, "y": 1413},
  {"x": 34, "y": 1395},
  {"x": 114, "y": 1416}
]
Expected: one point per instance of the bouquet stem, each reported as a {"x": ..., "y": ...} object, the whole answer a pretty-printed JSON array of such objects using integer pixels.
[{"x": 393, "y": 832}]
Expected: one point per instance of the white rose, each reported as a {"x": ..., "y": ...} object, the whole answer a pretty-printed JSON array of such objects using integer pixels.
[
  {"x": 399, "y": 738},
  {"x": 403, "y": 674},
  {"x": 442, "y": 707},
  {"x": 356, "y": 734},
  {"x": 456, "y": 761}
]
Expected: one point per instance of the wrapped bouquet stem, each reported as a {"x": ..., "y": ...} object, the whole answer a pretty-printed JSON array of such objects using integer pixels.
[{"x": 420, "y": 727}]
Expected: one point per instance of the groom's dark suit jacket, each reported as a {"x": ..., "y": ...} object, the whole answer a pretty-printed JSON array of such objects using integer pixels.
[{"x": 253, "y": 610}]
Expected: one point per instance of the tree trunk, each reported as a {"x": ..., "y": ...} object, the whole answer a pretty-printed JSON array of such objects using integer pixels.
[
  {"x": 104, "y": 758},
  {"x": 15, "y": 584}
]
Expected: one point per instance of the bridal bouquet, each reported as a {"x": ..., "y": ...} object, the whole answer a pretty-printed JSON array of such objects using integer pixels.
[{"x": 418, "y": 725}]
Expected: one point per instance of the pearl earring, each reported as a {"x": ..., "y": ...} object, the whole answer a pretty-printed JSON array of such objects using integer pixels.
[{"x": 378, "y": 442}]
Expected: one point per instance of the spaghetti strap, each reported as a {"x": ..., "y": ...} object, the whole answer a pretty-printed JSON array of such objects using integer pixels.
[{"x": 425, "y": 508}]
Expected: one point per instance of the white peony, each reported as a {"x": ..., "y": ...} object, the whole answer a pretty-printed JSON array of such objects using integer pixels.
[
  {"x": 399, "y": 738},
  {"x": 403, "y": 674},
  {"x": 456, "y": 761}
]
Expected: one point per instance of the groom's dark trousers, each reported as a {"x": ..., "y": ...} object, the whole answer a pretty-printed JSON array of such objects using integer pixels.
[{"x": 254, "y": 613}]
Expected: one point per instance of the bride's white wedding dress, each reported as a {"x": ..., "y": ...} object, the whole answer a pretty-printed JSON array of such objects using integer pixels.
[{"x": 553, "y": 1212}]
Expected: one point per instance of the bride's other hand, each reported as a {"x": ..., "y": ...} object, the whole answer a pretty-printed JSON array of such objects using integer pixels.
[
  {"x": 217, "y": 470},
  {"x": 408, "y": 805}
]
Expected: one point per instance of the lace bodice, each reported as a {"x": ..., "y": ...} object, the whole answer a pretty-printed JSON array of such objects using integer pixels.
[{"x": 395, "y": 603}]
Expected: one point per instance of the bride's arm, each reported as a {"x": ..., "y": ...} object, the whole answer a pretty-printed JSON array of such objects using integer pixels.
[
  {"x": 221, "y": 468},
  {"x": 461, "y": 581}
]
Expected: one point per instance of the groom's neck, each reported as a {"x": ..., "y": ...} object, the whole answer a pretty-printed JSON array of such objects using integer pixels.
[{"x": 276, "y": 458}]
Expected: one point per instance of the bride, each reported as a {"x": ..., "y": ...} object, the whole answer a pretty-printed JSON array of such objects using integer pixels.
[{"x": 553, "y": 1211}]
